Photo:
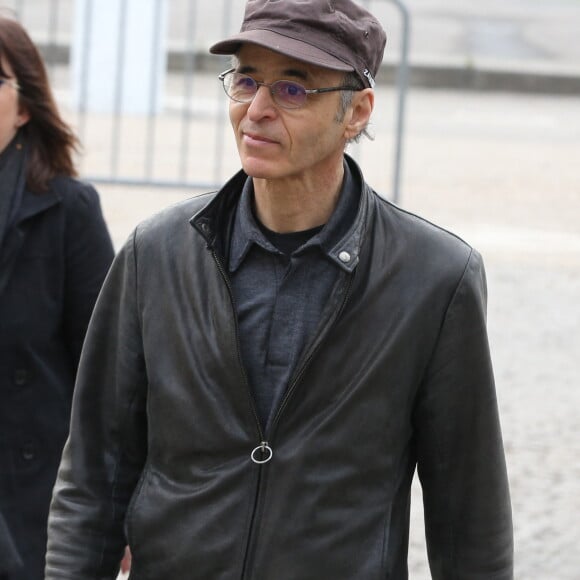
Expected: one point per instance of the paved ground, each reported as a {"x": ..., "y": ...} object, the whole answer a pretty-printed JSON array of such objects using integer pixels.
[{"x": 501, "y": 170}]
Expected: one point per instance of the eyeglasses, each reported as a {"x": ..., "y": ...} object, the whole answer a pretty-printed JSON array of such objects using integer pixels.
[
  {"x": 10, "y": 82},
  {"x": 287, "y": 94}
]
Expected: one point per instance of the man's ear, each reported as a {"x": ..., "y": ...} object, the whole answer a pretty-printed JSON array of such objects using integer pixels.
[{"x": 360, "y": 112}]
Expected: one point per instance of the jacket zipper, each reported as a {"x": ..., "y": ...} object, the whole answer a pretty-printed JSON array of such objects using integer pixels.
[
  {"x": 263, "y": 448},
  {"x": 238, "y": 353},
  {"x": 286, "y": 398}
]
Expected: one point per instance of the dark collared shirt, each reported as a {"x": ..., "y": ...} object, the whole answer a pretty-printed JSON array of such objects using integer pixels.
[{"x": 280, "y": 298}]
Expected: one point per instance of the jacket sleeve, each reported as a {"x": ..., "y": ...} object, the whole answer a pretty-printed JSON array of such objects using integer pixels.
[
  {"x": 104, "y": 455},
  {"x": 89, "y": 253},
  {"x": 461, "y": 462}
]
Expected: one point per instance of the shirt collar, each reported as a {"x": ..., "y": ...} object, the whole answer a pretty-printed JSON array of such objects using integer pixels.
[
  {"x": 334, "y": 240},
  {"x": 246, "y": 231}
]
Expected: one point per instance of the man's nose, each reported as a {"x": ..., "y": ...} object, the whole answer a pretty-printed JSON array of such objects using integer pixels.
[{"x": 263, "y": 104}]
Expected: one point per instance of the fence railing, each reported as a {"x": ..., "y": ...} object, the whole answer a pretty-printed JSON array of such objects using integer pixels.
[{"x": 136, "y": 81}]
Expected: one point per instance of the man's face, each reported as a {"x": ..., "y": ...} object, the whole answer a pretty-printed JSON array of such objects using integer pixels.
[{"x": 277, "y": 143}]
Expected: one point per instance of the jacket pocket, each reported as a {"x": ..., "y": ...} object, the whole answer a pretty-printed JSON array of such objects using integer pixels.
[{"x": 130, "y": 531}]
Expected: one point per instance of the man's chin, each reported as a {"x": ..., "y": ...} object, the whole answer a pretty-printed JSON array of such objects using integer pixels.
[{"x": 260, "y": 169}]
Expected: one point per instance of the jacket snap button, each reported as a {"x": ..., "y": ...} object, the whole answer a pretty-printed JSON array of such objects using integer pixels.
[
  {"x": 20, "y": 377},
  {"x": 344, "y": 257}
]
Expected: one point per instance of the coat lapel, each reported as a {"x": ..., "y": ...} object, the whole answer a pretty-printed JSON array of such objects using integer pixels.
[{"x": 32, "y": 205}]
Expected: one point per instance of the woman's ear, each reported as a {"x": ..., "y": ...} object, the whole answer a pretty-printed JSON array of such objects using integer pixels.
[
  {"x": 360, "y": 112},
  {"x": 23, "y": 116}
]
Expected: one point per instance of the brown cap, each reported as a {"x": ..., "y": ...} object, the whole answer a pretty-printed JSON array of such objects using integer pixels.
[{"x": 335, "y": 34}]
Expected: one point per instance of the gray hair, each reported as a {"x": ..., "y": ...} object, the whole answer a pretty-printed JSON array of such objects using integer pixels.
[{"x": 351, "y": 79}]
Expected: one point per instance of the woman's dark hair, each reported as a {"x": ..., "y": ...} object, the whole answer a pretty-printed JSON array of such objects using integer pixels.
[{"x": 51, "y": 143}]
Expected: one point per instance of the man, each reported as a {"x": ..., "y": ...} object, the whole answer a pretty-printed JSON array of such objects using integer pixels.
[{"x": 260, "y": 380}]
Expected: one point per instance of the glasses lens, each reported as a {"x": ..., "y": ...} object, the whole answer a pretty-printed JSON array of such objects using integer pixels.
[
  {"x": 240, "y": 87},
  {"x": 288, "y": 94}
]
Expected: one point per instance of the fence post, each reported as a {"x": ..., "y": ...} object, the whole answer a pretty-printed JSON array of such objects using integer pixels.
[
  {"x": 103, "y": 56},
  {"x": 402, "y": 87}
]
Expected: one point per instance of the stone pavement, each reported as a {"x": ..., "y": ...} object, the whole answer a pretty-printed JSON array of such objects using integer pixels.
[{"x": 501, "y": 171}]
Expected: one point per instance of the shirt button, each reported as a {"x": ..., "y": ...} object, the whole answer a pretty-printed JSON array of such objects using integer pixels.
[{"x": 344, "y": 257}]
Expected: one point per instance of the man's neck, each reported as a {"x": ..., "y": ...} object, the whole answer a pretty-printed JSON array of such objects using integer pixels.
[{"x": 292, "y": 205}]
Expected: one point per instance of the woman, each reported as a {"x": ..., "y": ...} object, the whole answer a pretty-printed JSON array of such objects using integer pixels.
[{"x": 54, "y": 253}]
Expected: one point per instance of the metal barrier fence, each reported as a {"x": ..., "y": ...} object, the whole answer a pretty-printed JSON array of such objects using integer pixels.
[{"x": 178, "y": 135}]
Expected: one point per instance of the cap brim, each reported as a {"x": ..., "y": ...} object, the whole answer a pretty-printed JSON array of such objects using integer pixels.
[{"x": 282, "y": 44}]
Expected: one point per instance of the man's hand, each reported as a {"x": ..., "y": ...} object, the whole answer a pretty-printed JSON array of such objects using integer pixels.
[{"x": 126, "y": 561}]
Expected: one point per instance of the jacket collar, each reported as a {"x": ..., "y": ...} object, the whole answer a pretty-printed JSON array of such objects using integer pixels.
[
  {"x": 32, "y": 204},
  {"x": 218, "y": 215},
  {"x": 35, "y": 203}
]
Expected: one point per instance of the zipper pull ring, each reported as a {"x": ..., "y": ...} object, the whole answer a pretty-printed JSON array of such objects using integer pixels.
[{"x": 266, "y": 453}]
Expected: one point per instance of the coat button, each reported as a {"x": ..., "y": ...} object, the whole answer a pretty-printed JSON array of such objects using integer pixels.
[
  {"x": 20, "y": 377},
  {"x": 344, "y": 257},
  {"x": 28, "y": 453}
]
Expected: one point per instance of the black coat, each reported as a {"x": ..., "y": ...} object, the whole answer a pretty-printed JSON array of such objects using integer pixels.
[
  {"x": 52, "y": 264},
  {"x": 10, "y": 561}
]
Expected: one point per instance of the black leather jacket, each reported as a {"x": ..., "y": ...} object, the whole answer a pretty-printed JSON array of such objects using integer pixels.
[{"x": 164, "y": 431}]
